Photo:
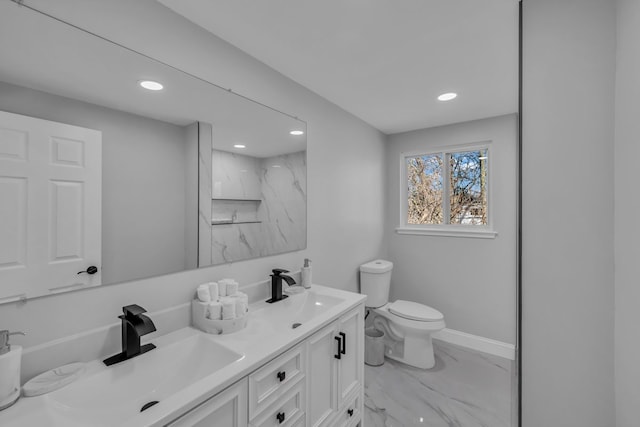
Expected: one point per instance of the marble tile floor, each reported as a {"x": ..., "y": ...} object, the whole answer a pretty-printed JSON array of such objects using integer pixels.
[{"x": 465, "y": 388}]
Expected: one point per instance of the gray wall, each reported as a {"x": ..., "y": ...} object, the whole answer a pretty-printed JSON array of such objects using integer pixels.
[
  {"x": 471, "y": 281},
  {"x": 627, "y": 206},
  {"x": 568, "y": 304},
  {"x": 143, "y": 182},
  {"x": 337, "y": 194}
]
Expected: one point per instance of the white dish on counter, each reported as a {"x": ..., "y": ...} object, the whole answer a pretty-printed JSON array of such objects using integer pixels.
[{"x": 53, "y": 380}]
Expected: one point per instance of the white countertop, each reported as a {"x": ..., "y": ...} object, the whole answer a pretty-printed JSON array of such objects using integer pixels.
[{"x": 259, "y": 342}]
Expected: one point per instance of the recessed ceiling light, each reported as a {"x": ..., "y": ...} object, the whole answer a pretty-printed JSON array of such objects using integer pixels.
[
  {"x": 275, "y": 166},
  {"x": 447, "y": 96},
  {"x": 296, "y": 132},
  {"x": 240, "y": 146},
  {"x": 151, "y": 85}
]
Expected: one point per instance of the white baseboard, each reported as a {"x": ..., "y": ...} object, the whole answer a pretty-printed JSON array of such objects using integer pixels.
[{"x": 475, "y": 342}]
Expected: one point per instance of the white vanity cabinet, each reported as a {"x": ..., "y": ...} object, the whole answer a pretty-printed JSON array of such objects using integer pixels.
[
  {"x": 227, "y": 408},
  {"x": 316, "y": 383},
  {"x": 335, "y": 371}
]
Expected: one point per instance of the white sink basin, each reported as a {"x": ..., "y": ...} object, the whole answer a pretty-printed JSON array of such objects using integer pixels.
[
  {"x": 117, "y": 393},
  {"x": 297, "y": 308}
]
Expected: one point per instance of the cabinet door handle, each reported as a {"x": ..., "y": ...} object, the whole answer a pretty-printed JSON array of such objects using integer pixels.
[
  {"x": 280, "y": 417},
  {"x": 281, "y": 375},
  {"x": 338, "y": 355},
  {"x": 344, "y": 343},
  {"x": 350, "y": 412}
]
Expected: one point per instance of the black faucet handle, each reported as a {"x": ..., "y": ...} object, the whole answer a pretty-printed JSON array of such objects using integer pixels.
[
  {"x": 133, "y": 310},
  {"x": 278, "y": 271}
]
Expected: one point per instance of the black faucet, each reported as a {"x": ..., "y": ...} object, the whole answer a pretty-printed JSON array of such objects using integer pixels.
[
  {"x": 134, "y": 325},
  {"x": 276, "y": 284}
]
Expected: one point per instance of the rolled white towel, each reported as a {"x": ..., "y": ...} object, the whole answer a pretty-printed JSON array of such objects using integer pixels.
[
  {"x": 203, "y": 293},
  {"x": 241, "y": 307},
  {"x": 222, "y": 287},
  {"x": 199, "y": 310},
  {"x": 213, "y": 291},
  {"x": 232, "y": 287},
  {"x": 228, "y": 308},
  {"x": 242, "y": 296},
  {"x": 215, "y": 310}
]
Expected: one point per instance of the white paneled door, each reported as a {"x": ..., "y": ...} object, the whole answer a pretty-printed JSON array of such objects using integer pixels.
[{"x": 50, "y": 206}]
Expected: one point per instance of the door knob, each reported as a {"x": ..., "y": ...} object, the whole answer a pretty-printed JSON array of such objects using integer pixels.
[{"x": 91, "y": 270}]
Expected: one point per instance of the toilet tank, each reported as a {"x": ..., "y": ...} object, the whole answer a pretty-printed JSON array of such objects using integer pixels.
[{"x": 375, "y": 279}]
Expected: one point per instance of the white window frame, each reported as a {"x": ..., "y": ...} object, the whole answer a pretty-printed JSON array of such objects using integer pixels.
[{"x": 449, "y": 230}]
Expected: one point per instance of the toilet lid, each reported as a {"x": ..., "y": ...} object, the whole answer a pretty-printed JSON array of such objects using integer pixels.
[{"x": 414, "y": 311}]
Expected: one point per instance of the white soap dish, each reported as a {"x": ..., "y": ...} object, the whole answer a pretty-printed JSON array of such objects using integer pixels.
[
  {"x": 53, "y": 379},
  {"x": 217, "y": 327}
]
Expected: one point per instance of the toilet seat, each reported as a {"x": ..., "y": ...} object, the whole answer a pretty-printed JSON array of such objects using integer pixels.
[{"x": 415, "y": 311}]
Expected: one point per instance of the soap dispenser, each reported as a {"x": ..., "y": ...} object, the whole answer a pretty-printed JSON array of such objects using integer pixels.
[
  {"x": 10, "y": 358},
  {"x": 305, "y": 274}
]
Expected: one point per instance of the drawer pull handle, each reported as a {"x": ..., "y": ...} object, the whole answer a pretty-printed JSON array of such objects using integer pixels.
[
  {"x": 338, "y": 355},
  {"x": 350, "y": 412},
  {"x": 281, "y": 375},
  {"x": 280, "y": 417},
  {"x": 344, "y": 343}
]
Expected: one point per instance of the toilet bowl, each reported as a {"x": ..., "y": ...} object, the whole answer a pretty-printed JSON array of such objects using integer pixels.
[
  {"x": 409, "y": 339},
  {"x": 408, "y": 325}
]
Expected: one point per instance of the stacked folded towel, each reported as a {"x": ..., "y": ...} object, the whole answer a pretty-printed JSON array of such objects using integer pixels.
[
  {"x": 215, "y": 310},
  {"x": 227, "y": 287},
  {"x": 208, "y": 292},
  {"x": 213, "y": 291},
  {"x": 204, "y": 294},
  {"x": 228, "y": 308},
  {"x": 242, "y": 303},
  {"x": 224, "y": 300}
]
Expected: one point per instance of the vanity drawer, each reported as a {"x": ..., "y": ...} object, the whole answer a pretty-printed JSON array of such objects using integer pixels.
[
  {"x": 227, "y": 408},
  {"x": 268, "y": 383},
  {"x": 289, "y": 412},
  {"x": 300, "y": 422},
  {"x": 350, "y": 414}
]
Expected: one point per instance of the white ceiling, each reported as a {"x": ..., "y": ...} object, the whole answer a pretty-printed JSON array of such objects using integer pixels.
[
  {"x": 384, "y": 61},
  {"x": 83, "y": 67}
]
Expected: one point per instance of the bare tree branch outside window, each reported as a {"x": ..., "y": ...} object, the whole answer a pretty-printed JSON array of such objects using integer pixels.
[
  {"x": 466, "y": 193},
  {"x": 424, "y": 176}
]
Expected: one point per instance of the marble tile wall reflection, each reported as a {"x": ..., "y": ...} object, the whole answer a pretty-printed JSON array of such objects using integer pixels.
[
  {"x": 233, "y": 242},
  {"x": 465, "y": 389},
  {"x": 259, "y": 205},
  {"x": 235, "y": 176},
  {"x": 284, "y": 208}
]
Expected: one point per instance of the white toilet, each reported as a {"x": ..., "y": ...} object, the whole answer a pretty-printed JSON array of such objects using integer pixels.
[{"x": 407, "y": 325}]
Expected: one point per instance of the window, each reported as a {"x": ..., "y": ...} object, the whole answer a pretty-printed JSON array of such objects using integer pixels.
[{"x": 447, "y": 192}]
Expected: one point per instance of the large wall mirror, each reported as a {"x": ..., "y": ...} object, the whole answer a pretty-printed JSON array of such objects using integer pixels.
[{"x": 97, "y": 171}]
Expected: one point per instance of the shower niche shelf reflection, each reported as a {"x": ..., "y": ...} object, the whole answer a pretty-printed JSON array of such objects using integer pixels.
[
  {"x": 258, "y": 203},
  {"x": 229, "y": 211},
  {"x": 220, "y": 199}
]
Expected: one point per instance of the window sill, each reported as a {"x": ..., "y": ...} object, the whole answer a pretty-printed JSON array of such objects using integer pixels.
[{"x": 448, "y": 232}]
